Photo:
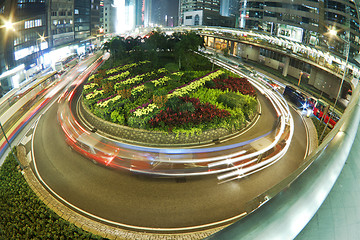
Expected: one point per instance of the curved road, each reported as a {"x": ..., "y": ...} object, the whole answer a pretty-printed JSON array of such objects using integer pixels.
[{"x": 155, "y": 202}]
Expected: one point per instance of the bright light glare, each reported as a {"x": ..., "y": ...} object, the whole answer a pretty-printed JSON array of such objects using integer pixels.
[
  {"x": 9, "y": 25},
  {"x": 332, "y": 32},
  {"x": 120, "y": 15},
  {"x": 15, "y": 80},
  {"x": 125, "y": 16}
]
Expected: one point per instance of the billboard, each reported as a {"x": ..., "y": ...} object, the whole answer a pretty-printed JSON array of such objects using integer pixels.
[{"x": 290, "y": 32}]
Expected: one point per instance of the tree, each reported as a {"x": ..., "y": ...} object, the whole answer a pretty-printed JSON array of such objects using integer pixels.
[
  {"x": 189, "y": 41},
  {"x": 107, "y": 46},
  {"x": 156, "y": 41}
]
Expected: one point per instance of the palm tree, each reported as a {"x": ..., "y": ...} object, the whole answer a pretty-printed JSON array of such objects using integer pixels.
[{"x": 189, "y": 41}]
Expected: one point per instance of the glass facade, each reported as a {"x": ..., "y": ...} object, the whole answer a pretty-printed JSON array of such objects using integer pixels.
[{"x": 82, "y": 18}]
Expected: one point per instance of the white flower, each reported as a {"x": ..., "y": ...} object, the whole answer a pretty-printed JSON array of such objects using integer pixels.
[
  {"x": 94, "y": 94},
  {"x": 194, "y": 85},
  {"x": 144, "y": 111}
]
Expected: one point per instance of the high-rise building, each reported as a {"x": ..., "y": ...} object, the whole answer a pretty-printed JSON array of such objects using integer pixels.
[
  {"x": 60, "y": 22},
  {"x": 229, "y": 8},
  {"x": 306, "y": 21},
  {"x": 139, "y": 13},
  {"x": 95, "y": 25},
  {"x": 109, "y": 17},
  {"x": 24, "y": 38},
  {"x": 82, "y": 19},
  {"x": 147, "y": 12},
  {"x": 26, "y": 33},
  {"x": 203, "y": 12},
  {"x": 164, "y": 12}
]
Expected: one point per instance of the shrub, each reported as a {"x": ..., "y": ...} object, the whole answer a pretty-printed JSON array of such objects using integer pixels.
[
  {"x": 24, "y": 216},
  {"x": 237, "y": 100},
  {"x": 116, "y": 117},
  {"x": 234, "y": 84},
  {"x": 203, "y": 112},
  {"x": 232, "y": 100},
  {"x": 172, "y": 67}
]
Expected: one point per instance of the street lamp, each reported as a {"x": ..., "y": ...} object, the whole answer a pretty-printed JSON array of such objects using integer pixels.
[
  {"x": 41, "y": 39},
  {"x": 9, "y": 25},
  {"x": 11, "y": 150},
  {"x": 333, "y": 32}
]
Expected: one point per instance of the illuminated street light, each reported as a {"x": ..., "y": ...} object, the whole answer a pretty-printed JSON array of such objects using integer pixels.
[
  {"x": 9, "y": 25},
  {"x": 39, "y": 44},
  {"x": 332, "y": 32}
]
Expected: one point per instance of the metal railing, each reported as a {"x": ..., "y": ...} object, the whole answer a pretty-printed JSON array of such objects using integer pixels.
[{"x": 290, "y": 205}]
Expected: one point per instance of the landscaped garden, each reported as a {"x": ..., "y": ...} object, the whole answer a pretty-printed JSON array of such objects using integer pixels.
[{"x": 167, "y": 87}]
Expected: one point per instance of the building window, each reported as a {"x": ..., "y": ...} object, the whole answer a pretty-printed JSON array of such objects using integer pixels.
[
  {"x": 197, "y": 19},
  {"x": 33, "y": 23},
  {"x": 76, "y": 11}
]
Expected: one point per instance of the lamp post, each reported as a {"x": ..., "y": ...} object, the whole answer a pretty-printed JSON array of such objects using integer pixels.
[
  {"x": 333, "y": 32},
  {"x": 300, "y": 78},
  {"x": 7, "y": 140},
  {"x": 41, "y": 39}
]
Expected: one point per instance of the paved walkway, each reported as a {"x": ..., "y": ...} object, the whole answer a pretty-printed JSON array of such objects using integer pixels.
[{"x": 339, "y": 215}]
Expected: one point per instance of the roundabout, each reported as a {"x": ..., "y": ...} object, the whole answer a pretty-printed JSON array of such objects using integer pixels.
[{"x": 189, "y": 198}]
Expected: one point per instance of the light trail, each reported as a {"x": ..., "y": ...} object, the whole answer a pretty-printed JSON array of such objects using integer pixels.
[{"x": 175, "y": 162}]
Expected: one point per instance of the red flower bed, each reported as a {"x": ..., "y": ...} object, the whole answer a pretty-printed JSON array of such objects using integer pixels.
[
  {"x": 241, "y": 85},
  {"x": 203, "y": 113}
]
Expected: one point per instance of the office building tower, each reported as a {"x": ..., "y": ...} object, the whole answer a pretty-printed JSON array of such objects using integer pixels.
[
  {"x": 95, "y": 25},
  {"x": 309, "y": 22},
  {"x": 109, "y": 17},
  {"x": 24, "y": 39},
  {"x": 60, "y": 22},
  {"x": 164, "y": 13},
  {"x": 25, "y": 34},
  {"x": 229, "y": 8},
  {"x": 82, "y": 14},
  {"x": 203, "y": 12},
  {"x": 147, "y": 12}
]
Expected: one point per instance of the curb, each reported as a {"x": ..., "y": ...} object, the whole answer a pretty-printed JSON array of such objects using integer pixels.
[{"x": 90, "y": 225}]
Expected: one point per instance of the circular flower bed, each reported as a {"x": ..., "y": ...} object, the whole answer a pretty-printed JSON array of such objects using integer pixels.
[{"x": 138, "y": 96}]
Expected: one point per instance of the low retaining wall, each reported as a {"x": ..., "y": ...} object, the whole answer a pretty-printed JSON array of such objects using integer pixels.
[{"x": 149, "y": 137}]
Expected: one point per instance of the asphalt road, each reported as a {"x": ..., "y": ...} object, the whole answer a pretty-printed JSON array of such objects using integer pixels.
[{"x": 155, "y": 202}]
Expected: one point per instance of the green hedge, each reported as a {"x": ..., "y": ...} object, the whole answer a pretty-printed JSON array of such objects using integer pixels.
[
  {"x": 24, "y": 216},
  {"x": 319, "y": 125},
  {"x": 234, "y": 100}
]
